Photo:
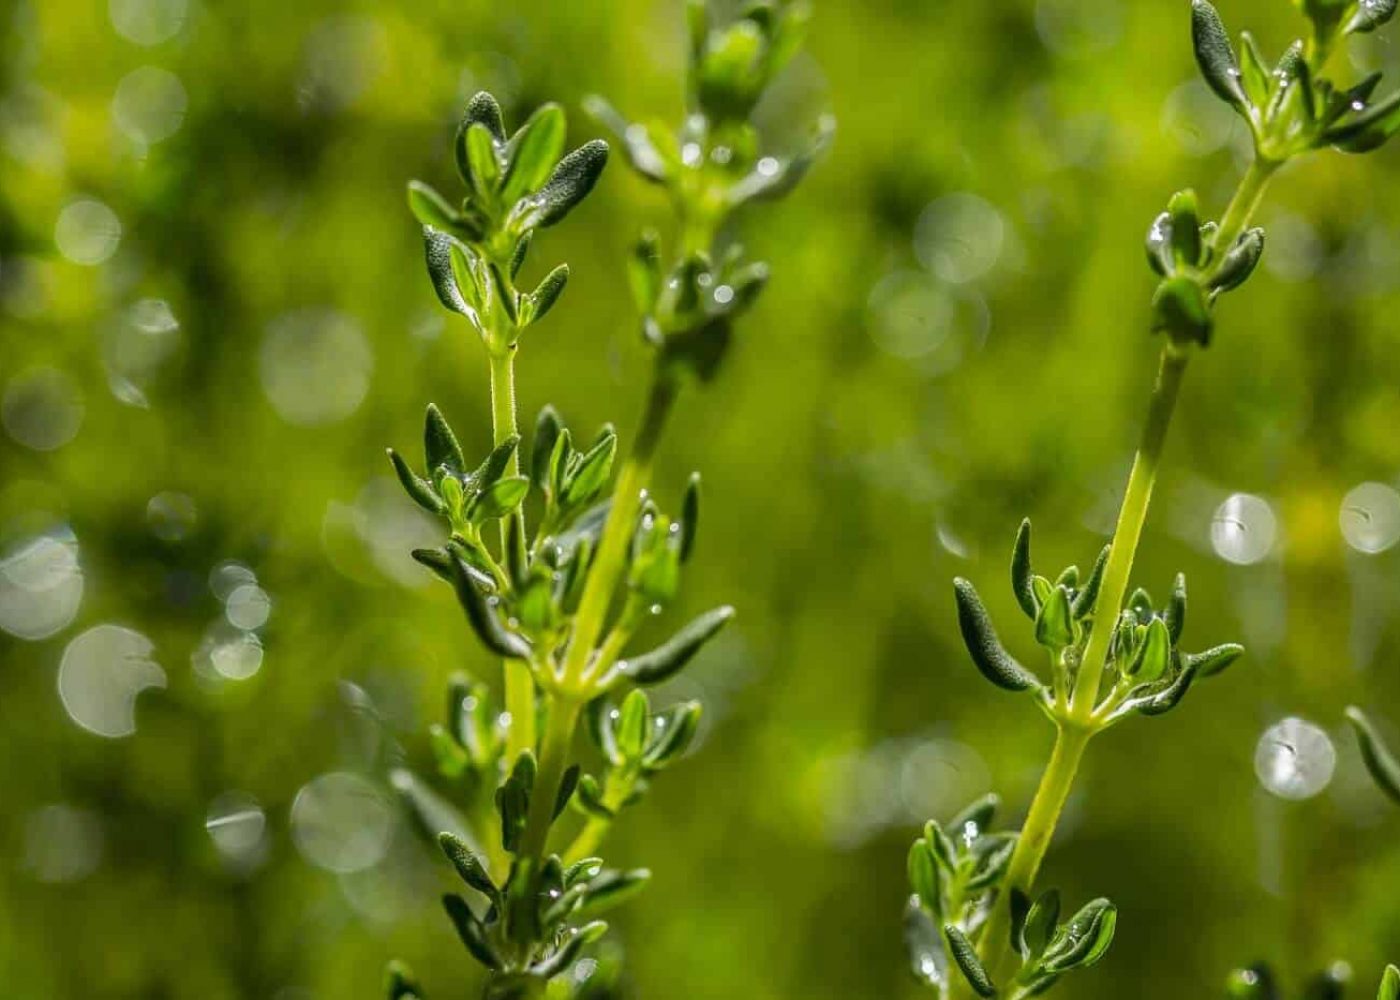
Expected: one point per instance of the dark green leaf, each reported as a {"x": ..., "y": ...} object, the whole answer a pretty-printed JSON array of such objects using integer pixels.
[
  {"x": 671, "y": 733},
  {"x": 468, "y": 865},
  {"x": 690, "y": 516},
  {"x": 965, "y": 955},
  {"x": 593, "y": 470},
  {"x": 419, "y": 489},
  {"x": 1384, "y": 768},
  {"x": 437, "y": 251},
  {"x": 399, "y": 983},
  {"x": 1021, "y": 571},
  {"x": 439, "y": 443},
  {"x": 1215, "y": 55},
  {"x": 1213, "y": 660},
  {"x": 1083, "y": 605},
  {"x": 666, "y": 660},
  {"x": 547, "y": 292},
  {"x": 986, "y": 650},
  {"x": 1040, "y": 923},
  {"x": 1175, "y": 615},
  {"x": 470, "y": 930},
  {"x": 547, "y": 428},
  {"x": 1370, "y": 15},
  {"x": 1185, "y": 228},
  {"x": 1239, "y": 262},
  {"x": 484, "y": 620},
  {"x": 611, "y": 888},
  {"x": 570, "y": 182},
  {"x": 1367, "y": 129},
  {"x": 482, "y": 109},
  {"x": 566, "y": 789}
]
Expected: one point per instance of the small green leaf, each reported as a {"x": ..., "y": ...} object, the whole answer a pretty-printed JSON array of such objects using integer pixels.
[
  {"x": 1390, "y": 984},
  {"x": 1239, "y": 262},
  {"x": 1021, "y": 574},
  {"x": 589, "y": 796},
  {"x": 1054, "y": 626},
  {"x": 1153, "y": 656},
  {"x": 632, "y": 721},
  {"x": 1088, "y": 594},
  {"x": 468, "y": 865},
  {"x": 1175, "y": 615},
  {"x": 533, "y": 152},
  {"x": 482, "y": 616},
  {"x": 690, "y": 516},
  {"x": 439, "y": 443},
  {"x": 923, "y": 876},
  {"x": 570, "y": 182},
  {"x": 437, "y": 252},
  {"x": 490, "y": 471},
  {"x": 499, "y": 499},
  {"x": 644, "y": 272},
  {"x": 418, "y": 488},
  {"x": 471, "y": 931},
  {"x": 484, "y": 162},
  {"x": 593, "y": 470},
  {"x": 1384, "y": 768},
  {"x": 986, "y": 650},
  {"x": 1213, "y": 660},
  {"x": 610, "y": 888},
  {"x": 965, "y": 955},
  {"x": 1179, "y": 309},
  {"x": 567, "y": 784},
  {"x": 1370, "y": 15},
  {"x": 1084, "y": 940},
  {"x": 1254, "y": 71},
  {"x": 671, "y": 734},
  {"x": 1367, "y": 129},
  {"x": 666, "y": 660},
  {"x": 976, "y": 819},
  {"x": 1040, "y": 923},
  {"x": 994, "y": 856},
  {"x": 1215, "y": 55},
  {"x": 431, "y": 208},
  {"x": 1185, "y": 228},
  {"x": 481, "y": 109},
  {"x": 547, "y": 428},
  {"x": 547, "y": 292}
]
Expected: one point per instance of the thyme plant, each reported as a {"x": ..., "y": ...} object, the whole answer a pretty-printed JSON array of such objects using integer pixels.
[
  {"x": 555, "y": 569},
  {"x": 976, "y": 924}
]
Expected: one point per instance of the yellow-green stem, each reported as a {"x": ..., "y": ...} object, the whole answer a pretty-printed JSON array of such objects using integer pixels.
[
  {"x": 611, "y": 560},
  {"x": 519, "y": 685},
  {"x": 1244, "y": 203},
  {"x": 1123, "y": 549},
  {"x": 589, "y": 838},
  {"x": 1034, "y": 841}
]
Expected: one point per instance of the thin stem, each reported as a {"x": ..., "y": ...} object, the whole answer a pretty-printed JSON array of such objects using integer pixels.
[
  {"x": 519, "y": 685},
  {"x": 611, "y": 560},
  {"x": 589, "y": 838},
  {"x": 1034, "y": 841},
  {"x": 1244, "y": 203},
  {"x": 1123, "y": 548}
]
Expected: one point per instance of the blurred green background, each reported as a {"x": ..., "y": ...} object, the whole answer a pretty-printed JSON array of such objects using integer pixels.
[{"x": 214, "y": 316}]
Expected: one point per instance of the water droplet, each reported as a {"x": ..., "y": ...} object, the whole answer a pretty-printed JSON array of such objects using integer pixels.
[
  {"x": 42, "y": 409},
  {"x": 62, "y": 843},
  {"x": 149, "y": 105},
  {"x": 341, "y": 822},
  {"x": 87, "y": 231},
  {"x": 1294, "y": 759},
  {"x": 228, "y": 576},
  {"x": 691, "y": 154},
  {"x": 41, "y": 586},
  {"x": 148, "y": 22},
  {"x": 248, "y": 607},
  {"x": 768, "y": 166},
  {"x": 315, "y": 366},
  {"x": 237, "y": 825},
  {"x": 1244, "y": 529},
  {"x": 959, "y": 237},
  {"x": 171, "y": 516},
  {"x": 1370, "y": 517},
  {"x": 101, "y": 673}
]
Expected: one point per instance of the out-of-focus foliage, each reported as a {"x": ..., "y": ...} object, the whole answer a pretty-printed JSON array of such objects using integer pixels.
[{"x": 212, "y": 316}]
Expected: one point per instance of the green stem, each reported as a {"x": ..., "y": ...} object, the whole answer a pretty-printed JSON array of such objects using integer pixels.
[
  {"x": 611, "y": 560},
  {"x": 562, "y": 716},
  {"x": 1244, "y": 203},
  {"x": 1034, "y": 841},
  {"x": 589, "y": 838},
  {"x": 1123, "y": 549},
  {"x": 519, "y": 684}
]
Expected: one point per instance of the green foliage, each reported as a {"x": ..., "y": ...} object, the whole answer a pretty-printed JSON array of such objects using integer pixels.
[
  {"x": 1384, "y": 768},
  {"x": 956, "y": 874},
  {"x": 573, "y": 569},
  {"x": 1258, "y": 982}
]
